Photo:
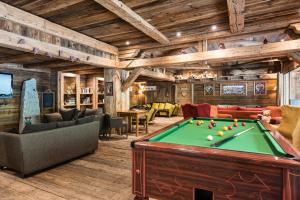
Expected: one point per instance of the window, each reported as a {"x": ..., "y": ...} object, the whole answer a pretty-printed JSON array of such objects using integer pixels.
[{"x": 295, "y": 87}]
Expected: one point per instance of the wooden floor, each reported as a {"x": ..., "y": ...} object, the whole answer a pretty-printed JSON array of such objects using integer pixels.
[{"x": 103, "y": 175}]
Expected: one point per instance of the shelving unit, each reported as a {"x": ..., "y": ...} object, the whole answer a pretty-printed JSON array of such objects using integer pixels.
[
  {"x": 80, "y": 91},
  {"x": 87, "y": 95},
  {"x": 69, "y": 90},
  {"x": 100, "y": 92}
]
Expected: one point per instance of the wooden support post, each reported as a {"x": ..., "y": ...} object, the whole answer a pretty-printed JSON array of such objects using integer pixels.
[
  {"x": 236, "y": 15},
  {"x": 119, "y": 100}
]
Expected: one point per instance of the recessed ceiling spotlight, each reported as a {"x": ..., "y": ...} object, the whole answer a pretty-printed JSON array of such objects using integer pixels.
[
  {"x": 178, "y": 34},
  {"x": 127, "y": 43},
  {"x": 282, "y": 40},
  {"x": 214, "y": 27}
]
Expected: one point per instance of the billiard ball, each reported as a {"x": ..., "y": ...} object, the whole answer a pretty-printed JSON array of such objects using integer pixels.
[
  {"x": 220, "y": 133},
  {"x": 235, "y": 125},
  {"x": 199, "y": 123},
  {"x": 212, "y": 121},
  {"x": 191, "y": 121},
  {"x": 235, "y": 120},
  {"x": 210, "y": 126},
  {"x": 225, "y": 128},
  {"x": 202, "y": 122},
  {"x": 214, "y": 124},
  {"x": 210, "y": 138},
  {"x": 229, "y": 127},
  {"x": 243, "y": 123}
]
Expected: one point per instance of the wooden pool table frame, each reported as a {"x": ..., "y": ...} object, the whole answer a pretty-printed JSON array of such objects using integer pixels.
[{"x": 171, "y": 171}]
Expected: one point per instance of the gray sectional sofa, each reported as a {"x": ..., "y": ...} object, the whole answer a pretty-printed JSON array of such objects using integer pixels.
[{"x": 32, "y": 152}]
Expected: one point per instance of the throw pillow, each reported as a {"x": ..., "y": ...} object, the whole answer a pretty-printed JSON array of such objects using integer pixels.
[
  {"x": 53, "y": 117},
  {"x": 81, "y": 114},
  {"x": 90, "y": 112},
  {"x": 67, "y": 114},
  {"x": 87, "y": 119},
  {"x": 31, "y": 128},
  {"x": 290, "y": 117},
  {"x": 296, "y": 136}
]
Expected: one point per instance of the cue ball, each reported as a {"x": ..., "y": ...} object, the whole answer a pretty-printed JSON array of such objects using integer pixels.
[
  {"x": 210, "y": 138},
  {"x": 220, "y": 133}
]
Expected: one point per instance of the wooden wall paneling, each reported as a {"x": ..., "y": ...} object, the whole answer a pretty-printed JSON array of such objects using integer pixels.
[
  {"x": 250, "y": 99},
  {"x": 10, "y": 108}
]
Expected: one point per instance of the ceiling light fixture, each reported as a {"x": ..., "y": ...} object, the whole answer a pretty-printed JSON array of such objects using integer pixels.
[
  {"x": 127, "y": 43},
  {"x": 214, "y": 27},
  {"x": 178, "y": 34},
  {"x": 282, "y": 40}
]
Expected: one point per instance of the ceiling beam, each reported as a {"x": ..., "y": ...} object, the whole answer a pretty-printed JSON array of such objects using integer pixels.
[
  {"x": 33, "y": 21},
  {"x": 147, "y": 73},
  {"x": 12, "y": 41},
  {"x": 236, "y": 15},
  {"x": 250, "y": 30},
  {"x": 157, "y": 75},
  {"x": 127, "y": 14},
  {"x": 295, "y": 27},
  {"x": 220, "y": 56},
  {"x": 134, "y": 74},
  {"x": 296, "y": 57}
]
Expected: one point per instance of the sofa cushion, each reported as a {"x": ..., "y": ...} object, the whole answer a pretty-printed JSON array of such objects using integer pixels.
[
  {"x": 296, "y": 136},
  {"x": 66, "y": 123},
  {"x": 161, "y": 106},
  {"x": 170, "y": 107},
  {"x": 53, "y": 117},
  {"x": 250, "y": 109},
  {"x": 275, "y": 111},
  {"x": 39, "y": 127},
  {"x": 67, "y": 114},
  {"x": 90, "y": 112},
  {"x": 290, "y": 117},
  {"x": 229, "y": 108},
  {"x": 155, "y": 105},
  {"x": 86, "y": 119}
]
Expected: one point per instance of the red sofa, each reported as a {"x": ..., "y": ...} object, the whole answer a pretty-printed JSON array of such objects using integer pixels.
[
  {"x": 202, "y": 110},
  {"x": 242, "y": 112}
]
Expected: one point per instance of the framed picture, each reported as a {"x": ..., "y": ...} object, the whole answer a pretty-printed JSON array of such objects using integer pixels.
[
  {"x": 260, "y": 88},
  {"x": 109, "y": 89},
  {"x": 209, "y": 89},
  {"x": 233, "y": 89}
]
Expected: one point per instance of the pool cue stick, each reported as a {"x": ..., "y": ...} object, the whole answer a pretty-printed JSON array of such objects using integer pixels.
[{"x": 216, "y": 144}]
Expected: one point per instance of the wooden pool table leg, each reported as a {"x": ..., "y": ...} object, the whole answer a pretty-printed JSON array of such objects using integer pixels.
[{"x": 137, "y": 197}]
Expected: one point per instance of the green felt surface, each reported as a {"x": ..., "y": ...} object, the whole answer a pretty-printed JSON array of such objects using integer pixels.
[{"x": 257, "y": 140}]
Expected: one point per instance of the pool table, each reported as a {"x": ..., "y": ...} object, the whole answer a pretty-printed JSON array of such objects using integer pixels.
[{"x": 179, "y": 162}]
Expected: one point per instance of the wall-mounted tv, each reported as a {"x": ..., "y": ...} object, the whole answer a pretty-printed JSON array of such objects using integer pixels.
[{"x": 6, "y": 85}]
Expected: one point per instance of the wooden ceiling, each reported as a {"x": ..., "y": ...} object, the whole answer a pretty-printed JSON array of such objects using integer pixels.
[
  {"x": 190, "y": 17},
  {"x": 194, "y": 20}
]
